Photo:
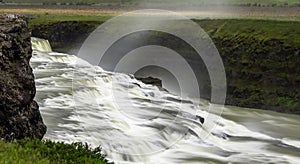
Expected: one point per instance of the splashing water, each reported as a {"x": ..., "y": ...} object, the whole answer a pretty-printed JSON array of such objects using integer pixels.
[{"x": 138, "y": 123}]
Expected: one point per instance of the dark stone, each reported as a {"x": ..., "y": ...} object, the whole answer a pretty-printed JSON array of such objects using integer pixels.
[
  {"x": 19, "y": 113},
  {"x": 151, "y": 80},
  {"x": 201, "y": 119}
]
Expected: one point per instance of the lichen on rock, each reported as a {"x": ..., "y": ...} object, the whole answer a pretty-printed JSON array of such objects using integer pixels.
[{"x": 19, "y": 113}]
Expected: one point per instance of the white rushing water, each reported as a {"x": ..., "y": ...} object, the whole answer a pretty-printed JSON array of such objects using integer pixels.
[{"x": 138, "y": 123}]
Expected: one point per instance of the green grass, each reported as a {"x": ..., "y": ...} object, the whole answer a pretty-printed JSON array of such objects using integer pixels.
[
  {"x": 44, "y": 19},
  {"x": 266, "y": 2},
  {"x": 44, "y": 152},
  {"x": 287, "y": 32},
  {"x": 260, "y": 60},
  {"x": 288, "y": 101}
]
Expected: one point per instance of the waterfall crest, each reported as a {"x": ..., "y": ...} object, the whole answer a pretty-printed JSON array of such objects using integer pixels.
[{"x": 41, "y": 45}]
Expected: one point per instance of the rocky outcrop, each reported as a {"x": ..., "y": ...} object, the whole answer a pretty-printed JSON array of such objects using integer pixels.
[
  {"x": 151, "y": 80},
  {"x": 19, "y": 113}
]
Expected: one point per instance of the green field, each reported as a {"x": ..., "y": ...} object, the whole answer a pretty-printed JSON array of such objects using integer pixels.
[{"x": 287, "y": 31}]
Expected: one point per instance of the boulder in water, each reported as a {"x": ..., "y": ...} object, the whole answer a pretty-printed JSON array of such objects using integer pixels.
[{"x": 151, "y": 80}]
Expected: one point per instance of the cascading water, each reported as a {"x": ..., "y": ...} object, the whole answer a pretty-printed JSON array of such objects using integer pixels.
[
  {"x": 40, "y": 44},
  {"x": 138, "y": 123}
]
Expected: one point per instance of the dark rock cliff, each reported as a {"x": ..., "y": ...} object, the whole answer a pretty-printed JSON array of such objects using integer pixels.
[{"x": 19, "y": 113}]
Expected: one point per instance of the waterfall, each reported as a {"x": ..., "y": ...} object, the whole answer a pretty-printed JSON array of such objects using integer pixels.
[
  {"x": 40, "y": 45},
  {"x": 138, "y": 123}
]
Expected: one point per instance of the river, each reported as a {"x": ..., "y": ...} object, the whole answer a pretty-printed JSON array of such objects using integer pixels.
[{"x": 137, "y": 123}]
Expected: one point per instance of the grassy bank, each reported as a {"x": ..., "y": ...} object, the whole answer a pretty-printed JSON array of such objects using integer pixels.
[
  {"x": 262, "y": 61},
  {"x": 44, "y": 152},
  {"x": 287, "y": 32},
  {"x": 46, "y": 19}
]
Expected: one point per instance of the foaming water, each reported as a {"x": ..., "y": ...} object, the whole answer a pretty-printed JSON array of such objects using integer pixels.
[{"x": 138, "y": 123}]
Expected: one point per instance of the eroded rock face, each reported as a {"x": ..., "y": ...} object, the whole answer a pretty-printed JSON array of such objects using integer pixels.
[{"x": 19, "y": 113}]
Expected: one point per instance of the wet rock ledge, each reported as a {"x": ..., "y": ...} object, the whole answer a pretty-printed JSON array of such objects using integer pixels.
[{"x": 19, "y": 113}]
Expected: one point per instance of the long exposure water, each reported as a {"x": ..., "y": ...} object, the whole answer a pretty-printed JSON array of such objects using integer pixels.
[{"x": 137, "y": 123}]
